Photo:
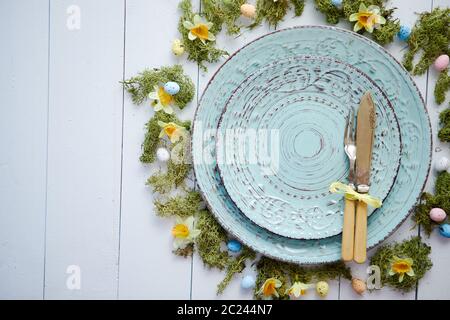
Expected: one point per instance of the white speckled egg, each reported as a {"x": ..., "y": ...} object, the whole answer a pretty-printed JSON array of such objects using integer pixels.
[
  {"x": 442, "y": 164},
  {"x": 177, "y": 47},
  {"x": 172, "y": 88},
  {"x": 441, "y": 62},
  {"x": 322, "y": 288},
  {"x": 162, "y": 154},
  {"x": 437, "y": 215},
  {"x": 248, "y": 10}
]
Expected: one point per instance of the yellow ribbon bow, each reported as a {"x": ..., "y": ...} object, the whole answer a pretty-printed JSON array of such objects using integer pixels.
[{"x": 350, "y": 194}]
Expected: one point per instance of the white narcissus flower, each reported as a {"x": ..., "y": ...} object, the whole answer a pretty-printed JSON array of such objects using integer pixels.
[
  {"x": 297, "y": 290},
  {"x": 172, "y": 130},
  {"x": 184, "y": 232},
  {"x": 269, "y": 288},
  {"x": 161, "y": 100},
  {"x": 367, "y": 18},
  {"x": 200, "y": 29}
]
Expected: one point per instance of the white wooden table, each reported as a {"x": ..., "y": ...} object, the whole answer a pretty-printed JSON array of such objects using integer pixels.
[{"x": 72, "y": 190}]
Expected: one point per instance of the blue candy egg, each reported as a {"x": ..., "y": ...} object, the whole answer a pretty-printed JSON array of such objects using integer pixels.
[
  {"x": 444, "y": 230},
  {"x": 172, "y": 88},
  {"x": 234, "y": 246},
  {"x": 248, "y": 282},
  {"x": 404, "y": 33},
  {"x": 336, "y": 3}
]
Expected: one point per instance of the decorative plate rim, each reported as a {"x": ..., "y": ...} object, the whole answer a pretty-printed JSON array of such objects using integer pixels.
[
  {"x": 370, "y": 42},
  {"x": 348, "y": 65}
]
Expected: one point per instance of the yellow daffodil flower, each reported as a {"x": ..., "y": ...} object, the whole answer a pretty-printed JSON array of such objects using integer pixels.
[
  {"x": 171, "y": 130},
  {"x": 184, "y": 232},
  {"x": 269, "y": 288},
  {"x": 401, "y": 266},
  {"x": 199, "y": 29},
  {"x": 297, "y": 289},
  {"x": 367, "y": 18},
  {"x": 161, "y": 100}
]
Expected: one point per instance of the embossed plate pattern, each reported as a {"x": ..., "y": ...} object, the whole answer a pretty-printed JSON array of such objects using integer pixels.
[
  {"x": 281, "y": 135},
  {"x": 343, "y": 45}
]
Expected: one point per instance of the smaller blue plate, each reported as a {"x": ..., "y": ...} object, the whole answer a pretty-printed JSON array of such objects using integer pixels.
[{"x": 280, "y": 144}]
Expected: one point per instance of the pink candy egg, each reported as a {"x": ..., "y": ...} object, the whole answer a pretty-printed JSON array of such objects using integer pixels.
[
  {"x": 441, "y": 62},
  {"x": 437, "y": 215}
]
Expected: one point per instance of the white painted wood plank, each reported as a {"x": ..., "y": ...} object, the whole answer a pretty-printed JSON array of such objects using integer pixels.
[
  {"x": 406, "y": 13},
  {"x": 436, "y": 282},
  {"x": 84, "y": 156},
  {"x": 23, "y": 141},
  {"x": 148, "y": 269}
]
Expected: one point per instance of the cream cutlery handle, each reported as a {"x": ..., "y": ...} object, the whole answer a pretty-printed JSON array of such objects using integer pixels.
[
  {"x": 360, "y": 253},
  {"x": 348, "y": 230}
]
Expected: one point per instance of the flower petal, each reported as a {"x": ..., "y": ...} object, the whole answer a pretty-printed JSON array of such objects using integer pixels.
[
  {"x": 362, "y": 7},
  {"x": 211, "y": 37},
  {"x": 153, "y": 96},
  {"x": 411, "y": 273},
  {"x": 209, "y": 25},
  {"x": 353, "y": 17},
  {"x": 358, "y": 26},
  {"x": 374, "y": 9},
  {"x": 192, "y": 36},
  {"x": 400, "y": 277},
  {"x": 168, "y": 109},
  {"x": 380, "y": 20},
  {"x": 158, "y": 106},
  {"x": 188, "y": 25},
  {"x": 197, "y": 19}
]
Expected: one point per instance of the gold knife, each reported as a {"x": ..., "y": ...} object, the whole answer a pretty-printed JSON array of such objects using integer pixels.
[{"x": 365, "y": 127}]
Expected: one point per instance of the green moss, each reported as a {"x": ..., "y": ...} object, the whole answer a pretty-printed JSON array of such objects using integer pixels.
[
  {"x": 222, "y": 12},
  {"x": 414, "y": 249},
  {"x": 209, "y": 241},
  {"x": 164, "y": 182},
  {"x": 441, "y": 199},
  {"x": 272, "y": 12},
  {"x": 441, "y": 88},
  {"x": 152, "y": 140},
  {"x": 188, "y": 251},
  {"x": 141, "y": 85},
  {"x": 183, "y": 206},
  {"x": 386, "y": 33},
  {"x": 299, "y": 6},
  {"x": 430, "y": 37},
  {"x": 444, "y": 132},
  {"x": 331, "y": 12},
  {"x": 289, "y": 273},
  {"x": 234, "y": 266},
  {"x": 198, "y": 51}
]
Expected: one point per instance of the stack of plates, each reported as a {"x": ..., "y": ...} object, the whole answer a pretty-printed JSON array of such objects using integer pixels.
[{"x": 268, "y": 141}]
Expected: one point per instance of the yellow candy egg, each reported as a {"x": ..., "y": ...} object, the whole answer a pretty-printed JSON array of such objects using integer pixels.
[
  {"x": 177, "y": 47},
  {"x": 358, "y": 285},
  {"x": 322, "y": 288},
  {"x": 248, "y": 10}
]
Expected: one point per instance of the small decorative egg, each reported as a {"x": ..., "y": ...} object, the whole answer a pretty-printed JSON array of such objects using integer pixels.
[
  {"x": 248, "y": 282},
  {"x": 437, "y": 215},
  {"x": 358, "y": 285},
  {"x": 442, "y": 164},
  {"x": 172, "y": 88},
  {"x": 404, "y": 33},
  {"x": 336, "y": 3},
  {"x": 444, "y": 230},
  {"x": 248, "y": 10},
  {"x": 234, "y": 246},
  {"x": 441, "y": 63},
  {"x": 322, "y": 288},
  {"x": 177, "y": 47},
  {"x": 162, "y": 154}
]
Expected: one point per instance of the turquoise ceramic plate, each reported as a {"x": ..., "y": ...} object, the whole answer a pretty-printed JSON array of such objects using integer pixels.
[
  {"x": 345, "y": 46},
  {"x": 280, "y": 144}
]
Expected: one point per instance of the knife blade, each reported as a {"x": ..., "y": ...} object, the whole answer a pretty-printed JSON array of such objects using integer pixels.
[{"x": 365, "y": 128}]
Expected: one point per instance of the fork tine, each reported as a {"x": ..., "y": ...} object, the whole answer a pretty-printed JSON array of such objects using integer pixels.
[
  {"x": 348, "y": 130},
  {"x": 351, "y": 127}
]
